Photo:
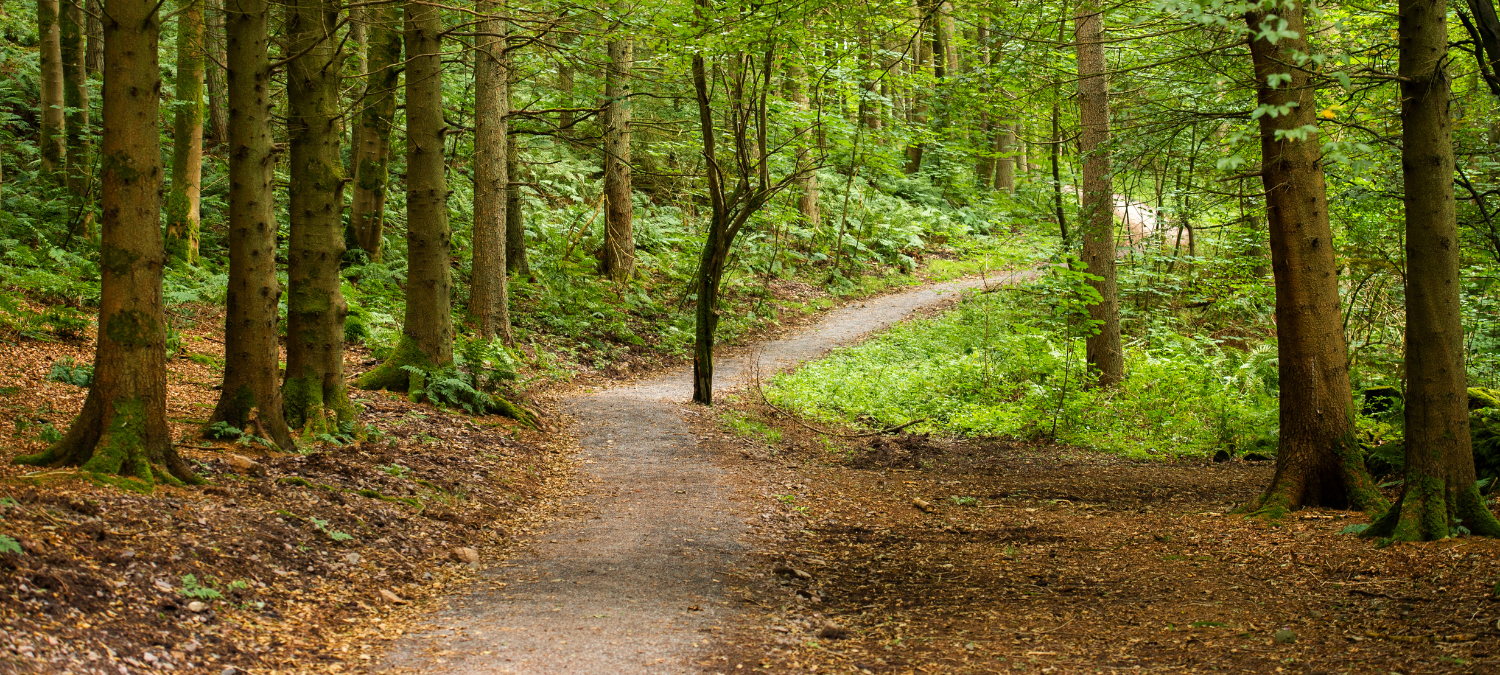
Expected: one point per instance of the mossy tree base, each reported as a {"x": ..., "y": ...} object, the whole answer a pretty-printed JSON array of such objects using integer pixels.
[
  {"x": 118, "y": 448},
  {"x": 313, "y": 409},
  {"x": 1429, "y": 510},
  {"x": 392, "y": 375},
  {"x": 1338, "y": 480}
]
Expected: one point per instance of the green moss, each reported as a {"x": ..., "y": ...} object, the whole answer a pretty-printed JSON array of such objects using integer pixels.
[
  {"x": 117, "y": 260},
  {"x": 131, "y": 328},
  {"x": 1481, "y": 397},
  {"x": 295, "y": 480},
  {"x": 392, "y": 375}
]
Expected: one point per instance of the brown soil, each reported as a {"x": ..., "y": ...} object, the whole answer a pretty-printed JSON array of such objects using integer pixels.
[{"x": 909, "y": 554}]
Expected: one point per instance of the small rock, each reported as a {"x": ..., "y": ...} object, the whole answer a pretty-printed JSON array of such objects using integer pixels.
[
  {"x": 923, "y": 506},
  {"x": 230, "y": 670},
  {"x": 391, "y": 598},
  {"x": 245, "y": 465},
  {"x": 148, "y": 657},
  {"x": 351, "y": 558},
  {"x": 792, "y": 572},
  {"x": 33, "y": 546},
  {"x": 1284, "y": 636},
  {"x": 464, "y": 554},
  {"x": 196, "y": 606},
  {"x": 833, "y": 631}
]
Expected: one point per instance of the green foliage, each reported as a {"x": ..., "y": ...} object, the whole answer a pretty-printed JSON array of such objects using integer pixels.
[
  {"x": 68, "y": 372},
  {"x": 9, "y": 545},
  {"x": 964, "y": 501},
  {"x": 191, "y": 588}
]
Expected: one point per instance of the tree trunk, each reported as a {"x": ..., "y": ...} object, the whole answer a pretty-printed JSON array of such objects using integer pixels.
[
  {"x": 218, "y": 113},
  {"x": 1439, "y": 490},
  {"x": 1105, "y": 356},
  {"x": 565, "y": 85},
  {"x": 252, "y": 370},
  {"x": 373, "y": 150},
  {"x": 1005, "y": 160},
  {"x": 807, "y": 183},
  {"x": 515, "y": 218},
  {"x": 917, "y": 114},
  {"x": 427, "y": 328},
  {"x": 50, "y": 145},
  {"x": 1018, "y": 147},
  {"x": 618, "y": 261},
  {"x": 187, "y": 136},
  {"x": 1317, "y": 461},
  {"x": 76, "y": 97},
  {"x": 488, "y": 295},
  {"x": 314, "y": 394},
  {"x": 94, "y": 62},
  {"x": 121, "y": 435}
]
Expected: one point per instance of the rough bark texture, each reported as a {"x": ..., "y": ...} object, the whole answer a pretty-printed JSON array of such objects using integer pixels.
[
  {"x": 94, "y": 62},
  {"x": 565, "y": 81},
  {"x": 313, "y": 392},
  {"x": 1106, "y": 358},
  {"x": 427, "y": 328},
  {"x": 515, "y": 219},
  {"x": 76, "y": 98},
  {"x": 213, "y": 71},
  {"x": 917, "y": 109},
  {"x": 1439, "y": 490},
  {"x": 1317, "y": 461},
  {"x": 50, "y": 145},
  {"x": 807, "y": 184},
  {"x": 618, "y": 261},
  {"x": 121, "y": 435},
  {"x": 373, "y": 150},
  {"x": 1005, "y": 162},
  {"x": 488, "y": 294},
  {"x": 187, "y": 136},
  {"x": 252, "y": 369}
]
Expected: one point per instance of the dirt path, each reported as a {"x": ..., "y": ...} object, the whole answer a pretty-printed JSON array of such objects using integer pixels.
[{"x": 639, "y": 577}]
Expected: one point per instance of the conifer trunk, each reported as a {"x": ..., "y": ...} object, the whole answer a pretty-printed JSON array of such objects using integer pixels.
[
  {"x": 1317, "y": 461},
  {"x": 917, "y": 111},
  {"x": 50, "y": 145},
  {"x": 1106, "y": 358},
  {"x": 94, "y": 61},
  {"x": 427, "y": 327},
  {"x": 1439, "y": 490},
  {"x": 187, "y": 136},
  {"x": 313, "y": 392},
  {"x": 515, "y": 220},
  {"x": 488, "y": 302},
  {"x": 218, "y": 111},
  {"x": 76, "y": 97},
  {"x": 252, "y": 371},
  {"x": 565, "y": 81},
  {"x": 1005, "y": 177},
  {"x": 807, "y": 182},
  {"x": 373, "y": 150},
  {"x": 121, "y": 435},
  {"x": 618, "y": 261}
]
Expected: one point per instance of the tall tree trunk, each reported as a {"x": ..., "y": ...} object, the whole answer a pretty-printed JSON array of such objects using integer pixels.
[
  {"x": 1439, "y": 490},
  {"x": 488, "y": 295},
  {"x": 1018, "y": 136},
  {"x": 122, "y": 434},
  {"x": 314, "y": 393},
  {"x": 1005, "y": 160},
  {"x": 1105, "y": 356},
  {"x": 917, "y": 113},
  {"x": 807, "y": 182},
  {"x": 187, "y": 136},
  {"x": 515, "y": 218},
  {"x": 218, "y": 112},
  {"x": 76, "y": 97},
  {"x": 427, "y": 328},
  {"x": 49, "y": 32},
  {"x": 618, "y": 261},
  {"x": 373, "y": 150},
  {"x": 94, "y": 62},
  {"x": 252, "y": 370},
  {"x": 565, "y": 84},
  {"x": 1317, "y": 461}
]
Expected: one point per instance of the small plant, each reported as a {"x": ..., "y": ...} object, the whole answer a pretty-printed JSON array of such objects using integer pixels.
[
  {"x": 68, "y": 372},
  {"x": 9, "y": 545},
  {"x": 238, "y": 585},
  {"x": 191, "y": 588},
  {"x": 49, "y": 434},
  {"x": 964, "y": 501},
  {"x": 222, "y": 431},
  {"x": 395, "y": 470},
  {"x": 787, "y": 498},
  {"x": 322, "y": 526}
]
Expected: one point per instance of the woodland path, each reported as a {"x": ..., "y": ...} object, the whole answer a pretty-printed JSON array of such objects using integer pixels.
[{"x": 636, "y": 580}]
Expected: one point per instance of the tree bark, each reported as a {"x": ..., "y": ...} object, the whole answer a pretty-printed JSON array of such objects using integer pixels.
[
  {"x": 515, "y": 218},
  {"x": 917, "y": 113},
  {"x": 373, "y": 150},
  {"x": 1439, "y": 490},
  {"x": 488, "y": 293},
  {"x": 618, "y": 261},
  {"x": 1005, "y": 160},
  {"x": 94, "y": 62},
  {"x": 121, "y": 435},
  {"x": 427, "y": 327},
  {"x": 187, "y": 136},
  {"x": 51, "y": 144},
  {"x": 76, "y": 98},
  {"x": 807, "y": 183},
  {"x": 313, "y": 391},
  {"x": 1317, "y": 460},
  {"x": 252, "y": 370},
  {"x": 1106, "y": 358},
  {"x": 218, "y": 112},
  {"x": 565, "y": 81}
]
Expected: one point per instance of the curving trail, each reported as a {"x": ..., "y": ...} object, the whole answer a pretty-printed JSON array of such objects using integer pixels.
[{"x": 637, "y": 580}]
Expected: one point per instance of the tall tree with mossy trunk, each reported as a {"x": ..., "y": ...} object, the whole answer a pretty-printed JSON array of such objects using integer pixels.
[
  {"x": 1317, "y": 461},
  {"x": 618, "y": 259},
  {"x": 314, "y": 393},
  {"x": 251, "y": 395},
  {"x": 372, "y": 152},
  {"x": 1439, "y": 493},
  {"x": 1105, "y": 355},
  {"x": 488, "y": 295},
  {"x": 76, "y": 98},
  {"x": 121, "y": 435},
  {"x": 427, "y": 328},
  {"x": 187, "y": 136}
]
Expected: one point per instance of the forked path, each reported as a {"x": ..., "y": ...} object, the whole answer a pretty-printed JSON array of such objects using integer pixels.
[{"x": 638, "y": 579}]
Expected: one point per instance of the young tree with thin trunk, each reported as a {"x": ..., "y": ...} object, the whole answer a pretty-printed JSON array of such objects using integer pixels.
[
  {"x": 427, "y": 327},
  {"x": 807, "y": 182},
  {"x": 1005, "y": 159},
  {"x": 122, "y": 434},
  {"x": 1317, "y": 462},
  {"x": 52, "y": 141},
  {"x": 94, "y": 61},
  {"x": 515, "y": 220},
  {"x": 618, "y": 261},
  {"x": 252, "y": 369},
  {"x": 218, "y": 110},
  {"x": 566, "y": 39},
  {"x": 488, "y": 302},
  {"x": 187, "y": 136},
  {"x": 1106, "y": 358},
  {"x": 921, "y": 50},
  {"x": 1439, "y": 491},
  {"x": 314, "y": 393},
  {"x": 377, "y": 114},
  {"x": 76, "y": 98}
]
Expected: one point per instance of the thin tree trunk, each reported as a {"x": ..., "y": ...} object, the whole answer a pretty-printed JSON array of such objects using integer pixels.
[
  {"x": 252, "y": 370},
  {"x": 1005, "y": 160},
  {"x": 94, "y": 62},
  {"x": 1018, "y": 133},
  {"x": 1317, "y": 461},
  {"x": 218, "y": 111},
  {"x": 313, "y": 391},
  {"x": 1105, "y": 355},
  {"x": 121, "y": 434},
  {"x": 807, "y": 184},
  {"x": 76, "y": 97},
  {"x": 918, "y": 112},
  {"x": 187, "y": 136},
  {"x": 618, "y": 261},
  {"x": 377, "y": 113},
  {"x": 565, "y": 85},
  {"x": 51, "y": 143},
  {"x": 1439, "y": 490},
  {"x": 515, "y": 218},
  {"x": 488, "y": 294},
  {"x": 427, "y": 327}
]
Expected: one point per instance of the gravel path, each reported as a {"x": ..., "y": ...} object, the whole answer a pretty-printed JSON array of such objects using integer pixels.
[{"x": 639, "y": 579}]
